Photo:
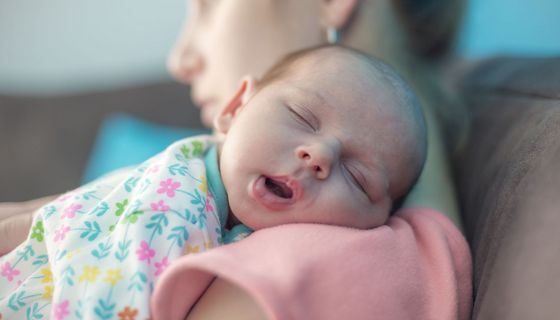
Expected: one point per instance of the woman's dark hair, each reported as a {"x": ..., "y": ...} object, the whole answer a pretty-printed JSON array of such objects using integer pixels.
[{"x": 431, "y": 25}]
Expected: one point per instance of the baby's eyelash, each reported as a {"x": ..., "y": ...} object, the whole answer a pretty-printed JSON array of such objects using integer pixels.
[
  {"x": 301, "y": 118},
  {"x": 356, "y": 180}
]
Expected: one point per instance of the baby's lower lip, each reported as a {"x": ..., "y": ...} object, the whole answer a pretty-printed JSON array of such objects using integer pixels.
[{"x": 266, "y": 198}]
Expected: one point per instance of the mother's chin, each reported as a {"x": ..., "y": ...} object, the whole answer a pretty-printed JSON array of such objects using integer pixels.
[{"x": 208, "y": 111}]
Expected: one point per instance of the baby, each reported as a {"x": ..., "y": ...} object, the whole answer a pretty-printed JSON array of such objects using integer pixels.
[{"x": 328, "y": 135}]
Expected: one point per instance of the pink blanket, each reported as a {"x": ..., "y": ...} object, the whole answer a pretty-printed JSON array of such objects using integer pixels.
[{"x": 418, "y": 266}]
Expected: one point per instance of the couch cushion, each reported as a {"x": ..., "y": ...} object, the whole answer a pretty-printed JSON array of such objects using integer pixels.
[
  {"x": 509, "y": 187},
  {"x": 46, "y": 141}
]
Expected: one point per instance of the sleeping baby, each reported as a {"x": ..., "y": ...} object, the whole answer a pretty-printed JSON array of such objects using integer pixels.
[{"x": 328, "y": 136}]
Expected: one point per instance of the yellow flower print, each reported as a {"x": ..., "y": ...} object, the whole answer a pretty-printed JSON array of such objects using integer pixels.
[
  {"x": 113, "y": 276},
  {"x": 47, "y": 294},
  {"x": 89, "y": 273},
  {"x": 47, "y": 275},
  {"x": 203, "y": 186},
  {"x": 209, "y": 245},
  {"x": 72, "y": 253},
  {"x": 192, "y": 249}
]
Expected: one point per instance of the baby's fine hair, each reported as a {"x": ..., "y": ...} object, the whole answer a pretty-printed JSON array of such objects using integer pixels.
[{"x": 404, "y": 95}]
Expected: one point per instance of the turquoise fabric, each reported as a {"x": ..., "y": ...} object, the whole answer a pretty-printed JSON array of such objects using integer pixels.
[
  {"x": 215, "y": 183},
  {"x": 125, "y": 140}
]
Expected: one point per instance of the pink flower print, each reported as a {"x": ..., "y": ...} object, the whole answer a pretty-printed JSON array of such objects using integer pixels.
[
  {"x": 161, "y": 266},
  {"x": 208, "y": 205},
  {"x": 9, "y": 272},
  {"x": 160, "y": 206},
  {"x": 169, "y": 186},
  {"x": 61, "y": 310},
  {"x": 145, "y": 252},
  {"x": 70, "y": 211},
  {"x": 60, "y": 233},
  {"x": 65, "y": 197},
  {"x": 153, "y": 169}
]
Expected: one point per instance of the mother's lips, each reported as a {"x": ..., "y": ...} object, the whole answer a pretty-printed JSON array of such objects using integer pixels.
[{"x": 275, "y": 193}]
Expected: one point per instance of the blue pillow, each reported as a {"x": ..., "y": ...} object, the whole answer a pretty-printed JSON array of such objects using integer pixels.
[
  {"x": 511, "y": 27},
  {"x": 124, "y": 140}
]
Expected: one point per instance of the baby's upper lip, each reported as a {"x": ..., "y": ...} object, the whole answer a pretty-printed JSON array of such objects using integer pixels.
[{"x": 292, "y": 183}]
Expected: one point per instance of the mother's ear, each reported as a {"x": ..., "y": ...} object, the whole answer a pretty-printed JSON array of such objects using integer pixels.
[
  {"x": 223, "y": 121},
  {"x": 336, "y": 13}
]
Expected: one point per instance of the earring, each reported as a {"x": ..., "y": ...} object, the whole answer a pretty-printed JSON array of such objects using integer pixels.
[{"x": 332, "y": 35}]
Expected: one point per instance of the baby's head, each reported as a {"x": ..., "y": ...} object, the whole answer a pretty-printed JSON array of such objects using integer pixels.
[{"x": 329, "y": 135}]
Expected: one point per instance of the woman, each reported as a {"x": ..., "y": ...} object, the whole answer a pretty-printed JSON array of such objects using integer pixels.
[{"x": 224, "y": 40}]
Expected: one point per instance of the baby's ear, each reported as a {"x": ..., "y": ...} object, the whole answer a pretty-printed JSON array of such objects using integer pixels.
[{"x": 223, "y": 121}]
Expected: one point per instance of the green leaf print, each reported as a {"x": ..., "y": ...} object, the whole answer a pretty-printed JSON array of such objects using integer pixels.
[
  {"x": 121, "y": 206},
  {"x": 33, "y": 312},
  {"x": 186, "y": 152},
  {"x": 41, "y": 260},
  {"x": 138, "y": 281},
  {"x": 130, "y": 184},
  {"x": 178, "y": 169},
  {"x": 100, "y": 209},
  {"x": 122, "y": 253},
  {"x": 103, "y": 250},
  {"x": 158, "y": 219},
  {"x": 26, "y": 253},
  {"x": 180, "y": 234},
  {"x": 16, "y": 301},
  {"x": 198, "y": 148},
  {"x": 104, "y": 310},
  {"x": 49, "y": 211},
  {"x": 67, "y": 274},
  {"x": 89, "y": 194},
  {"x": 133, "y": 217},
  {"x": 92, "y": 230}
]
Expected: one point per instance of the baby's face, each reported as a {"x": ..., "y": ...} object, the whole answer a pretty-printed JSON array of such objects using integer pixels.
[{"x": 311, "y": 149}]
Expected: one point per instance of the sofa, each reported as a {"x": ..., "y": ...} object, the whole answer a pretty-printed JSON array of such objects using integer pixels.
[
  {"x": 507, "y": 175},
  {"x": 508, "y": 181}
]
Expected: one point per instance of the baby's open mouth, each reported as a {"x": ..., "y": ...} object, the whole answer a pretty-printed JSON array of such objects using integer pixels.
[
  {"x": 275, "y": 193},
  {"x": 279, "y": 188}
]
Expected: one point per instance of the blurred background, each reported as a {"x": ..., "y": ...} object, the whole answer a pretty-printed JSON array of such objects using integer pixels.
[{"x": 82, "y": 82}]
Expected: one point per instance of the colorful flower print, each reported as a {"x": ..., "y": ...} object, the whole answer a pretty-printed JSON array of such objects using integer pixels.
[
  {"x": 47, "y": 293},
  {"x": 168, "y": 187},
  {"x": 70, "y": 211},
  {"x": 208, "y": 204},
  {"x": 113, "y": 276},
  {"x": 161, "y": 266},
  {"x": 203, "y": 185},
  {"x": 61, "y": 310},
  {"x": 89, "y": 273},
  {"x": 160, "y": 206},
  {"x": 128, "y": 314},
  {"x": 121, "y": 206},
  {"x": 9, "y": 272},
  {"x": 153, "y": 169},
  {"x": 145, "y": 252},
  {"x": 38, "y": 231},
  {"x": 47, "y": 275},
  {"x": 61, "y": 233}
]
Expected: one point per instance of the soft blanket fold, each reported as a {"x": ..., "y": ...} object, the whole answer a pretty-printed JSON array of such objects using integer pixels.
[{"x": 418, "y": 266}]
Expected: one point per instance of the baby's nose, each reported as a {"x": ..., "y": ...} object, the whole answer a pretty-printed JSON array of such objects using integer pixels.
[{"x": 318, "y": 158}]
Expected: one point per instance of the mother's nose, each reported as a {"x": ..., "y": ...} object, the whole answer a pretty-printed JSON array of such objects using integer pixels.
[
  {"x": 319, "y": 158},
  {"x": 184, "y": 61}
]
